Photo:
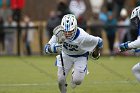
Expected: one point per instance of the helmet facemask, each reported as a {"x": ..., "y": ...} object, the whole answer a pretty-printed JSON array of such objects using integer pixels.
[
  {"x": 70, "y": 34},
  {"x": 69, "y": 23}
]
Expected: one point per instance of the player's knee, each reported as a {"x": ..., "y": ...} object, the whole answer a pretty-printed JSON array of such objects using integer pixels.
[
  {"x": 136, "y": 68},
  {"x": 78, "y": 77},
  {"x": 133, "y": 69},
  {"x": 61, "y": 79},
  {"x": 77, "y": 81}
]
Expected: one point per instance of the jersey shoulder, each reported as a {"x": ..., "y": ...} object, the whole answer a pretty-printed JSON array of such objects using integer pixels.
[
  {"x": 82, "y": 33},
  {"x": 79, "y": 36}
]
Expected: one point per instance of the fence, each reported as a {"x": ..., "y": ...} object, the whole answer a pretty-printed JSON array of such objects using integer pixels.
[
  {"x": 39, "y": 38},
  {"x": 19, "y": 48}
]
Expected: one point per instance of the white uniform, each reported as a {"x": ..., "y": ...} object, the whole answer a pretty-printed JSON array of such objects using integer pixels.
[
  {"x": 76, "y": 45},
  {"x": 135, "y": 17},
  {"x": 135, "y": 44},
  {"x": 75, "y": 54},
  {"x": 76, "y": 50},
  {"x": 136, "y": 68}
]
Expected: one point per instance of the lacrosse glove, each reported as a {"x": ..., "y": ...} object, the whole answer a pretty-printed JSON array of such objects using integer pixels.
[
  {"x": 53, "y": 48},
  {"x": 124, "y": 46},
  {"x": 96, "y": 52}
]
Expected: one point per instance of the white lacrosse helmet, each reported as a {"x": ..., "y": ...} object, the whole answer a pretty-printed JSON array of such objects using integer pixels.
[
  {"x": 135, "y": 13},
  {"x": 69, "y": 22}
]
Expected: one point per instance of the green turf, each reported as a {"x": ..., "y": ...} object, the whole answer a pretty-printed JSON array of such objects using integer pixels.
[{"x": 38, "y": 75}]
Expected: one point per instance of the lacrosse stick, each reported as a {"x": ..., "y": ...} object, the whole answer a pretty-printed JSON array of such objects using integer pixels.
[
  {"x": 135, "y": 51},
  {"x": 59, "y": 33}
]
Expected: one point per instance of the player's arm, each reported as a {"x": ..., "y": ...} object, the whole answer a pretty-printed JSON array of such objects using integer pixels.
[
  {"x": 130, "y": 45},
  {"x": 92, "y": 44},
  {"x": 135, "y": 44}
]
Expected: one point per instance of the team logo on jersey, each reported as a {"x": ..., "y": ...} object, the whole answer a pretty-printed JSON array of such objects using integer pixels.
[{"x": 70, "y": 47}]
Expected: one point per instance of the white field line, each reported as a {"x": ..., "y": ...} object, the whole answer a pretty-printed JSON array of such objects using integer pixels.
[
  {"x": 53, "y": 84},
  {"x": 115, "y": 82},
  {"x": 27, "y": 84}
]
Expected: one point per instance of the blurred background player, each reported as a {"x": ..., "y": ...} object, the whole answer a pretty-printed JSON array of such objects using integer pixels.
[
  {"x": 124, "y": 33},
  {"x": 10, "y": 35},
  {"x": 111, "y": 32},
  {"x": 135, "y": 20},
  {"x": 28, "y": 36},
  {"x": 76, "y": 45}
]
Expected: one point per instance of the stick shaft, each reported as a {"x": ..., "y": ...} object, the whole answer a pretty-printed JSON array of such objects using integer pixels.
[{"x": 62, "y": 62}]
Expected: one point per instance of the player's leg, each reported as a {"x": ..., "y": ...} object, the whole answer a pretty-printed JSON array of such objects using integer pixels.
[
  {"x": 79, "y": 71},
  {"x": 136, "y": 71},
  {"x": 62, "y": 79},
  {"x": 61, "y": 76}
]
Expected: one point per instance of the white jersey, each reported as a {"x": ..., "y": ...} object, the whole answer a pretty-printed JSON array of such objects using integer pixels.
[
  {"x": 135, "y": 44},
  {"x": 80, "y": 44}
]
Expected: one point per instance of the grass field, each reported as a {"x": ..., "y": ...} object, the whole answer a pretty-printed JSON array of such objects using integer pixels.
[{"x": 37, "y": 74}]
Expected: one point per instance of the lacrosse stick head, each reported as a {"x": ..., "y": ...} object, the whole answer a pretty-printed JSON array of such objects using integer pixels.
[{"x": 59, "y": 33}]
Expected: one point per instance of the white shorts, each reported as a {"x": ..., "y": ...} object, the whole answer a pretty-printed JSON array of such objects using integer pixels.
[{"x": 79, "y": 63}]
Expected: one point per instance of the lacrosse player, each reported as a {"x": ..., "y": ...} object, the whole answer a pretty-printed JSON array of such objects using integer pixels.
[
  {"x": 73, "y": 45},
  {"x": 135, "y": 20}
]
